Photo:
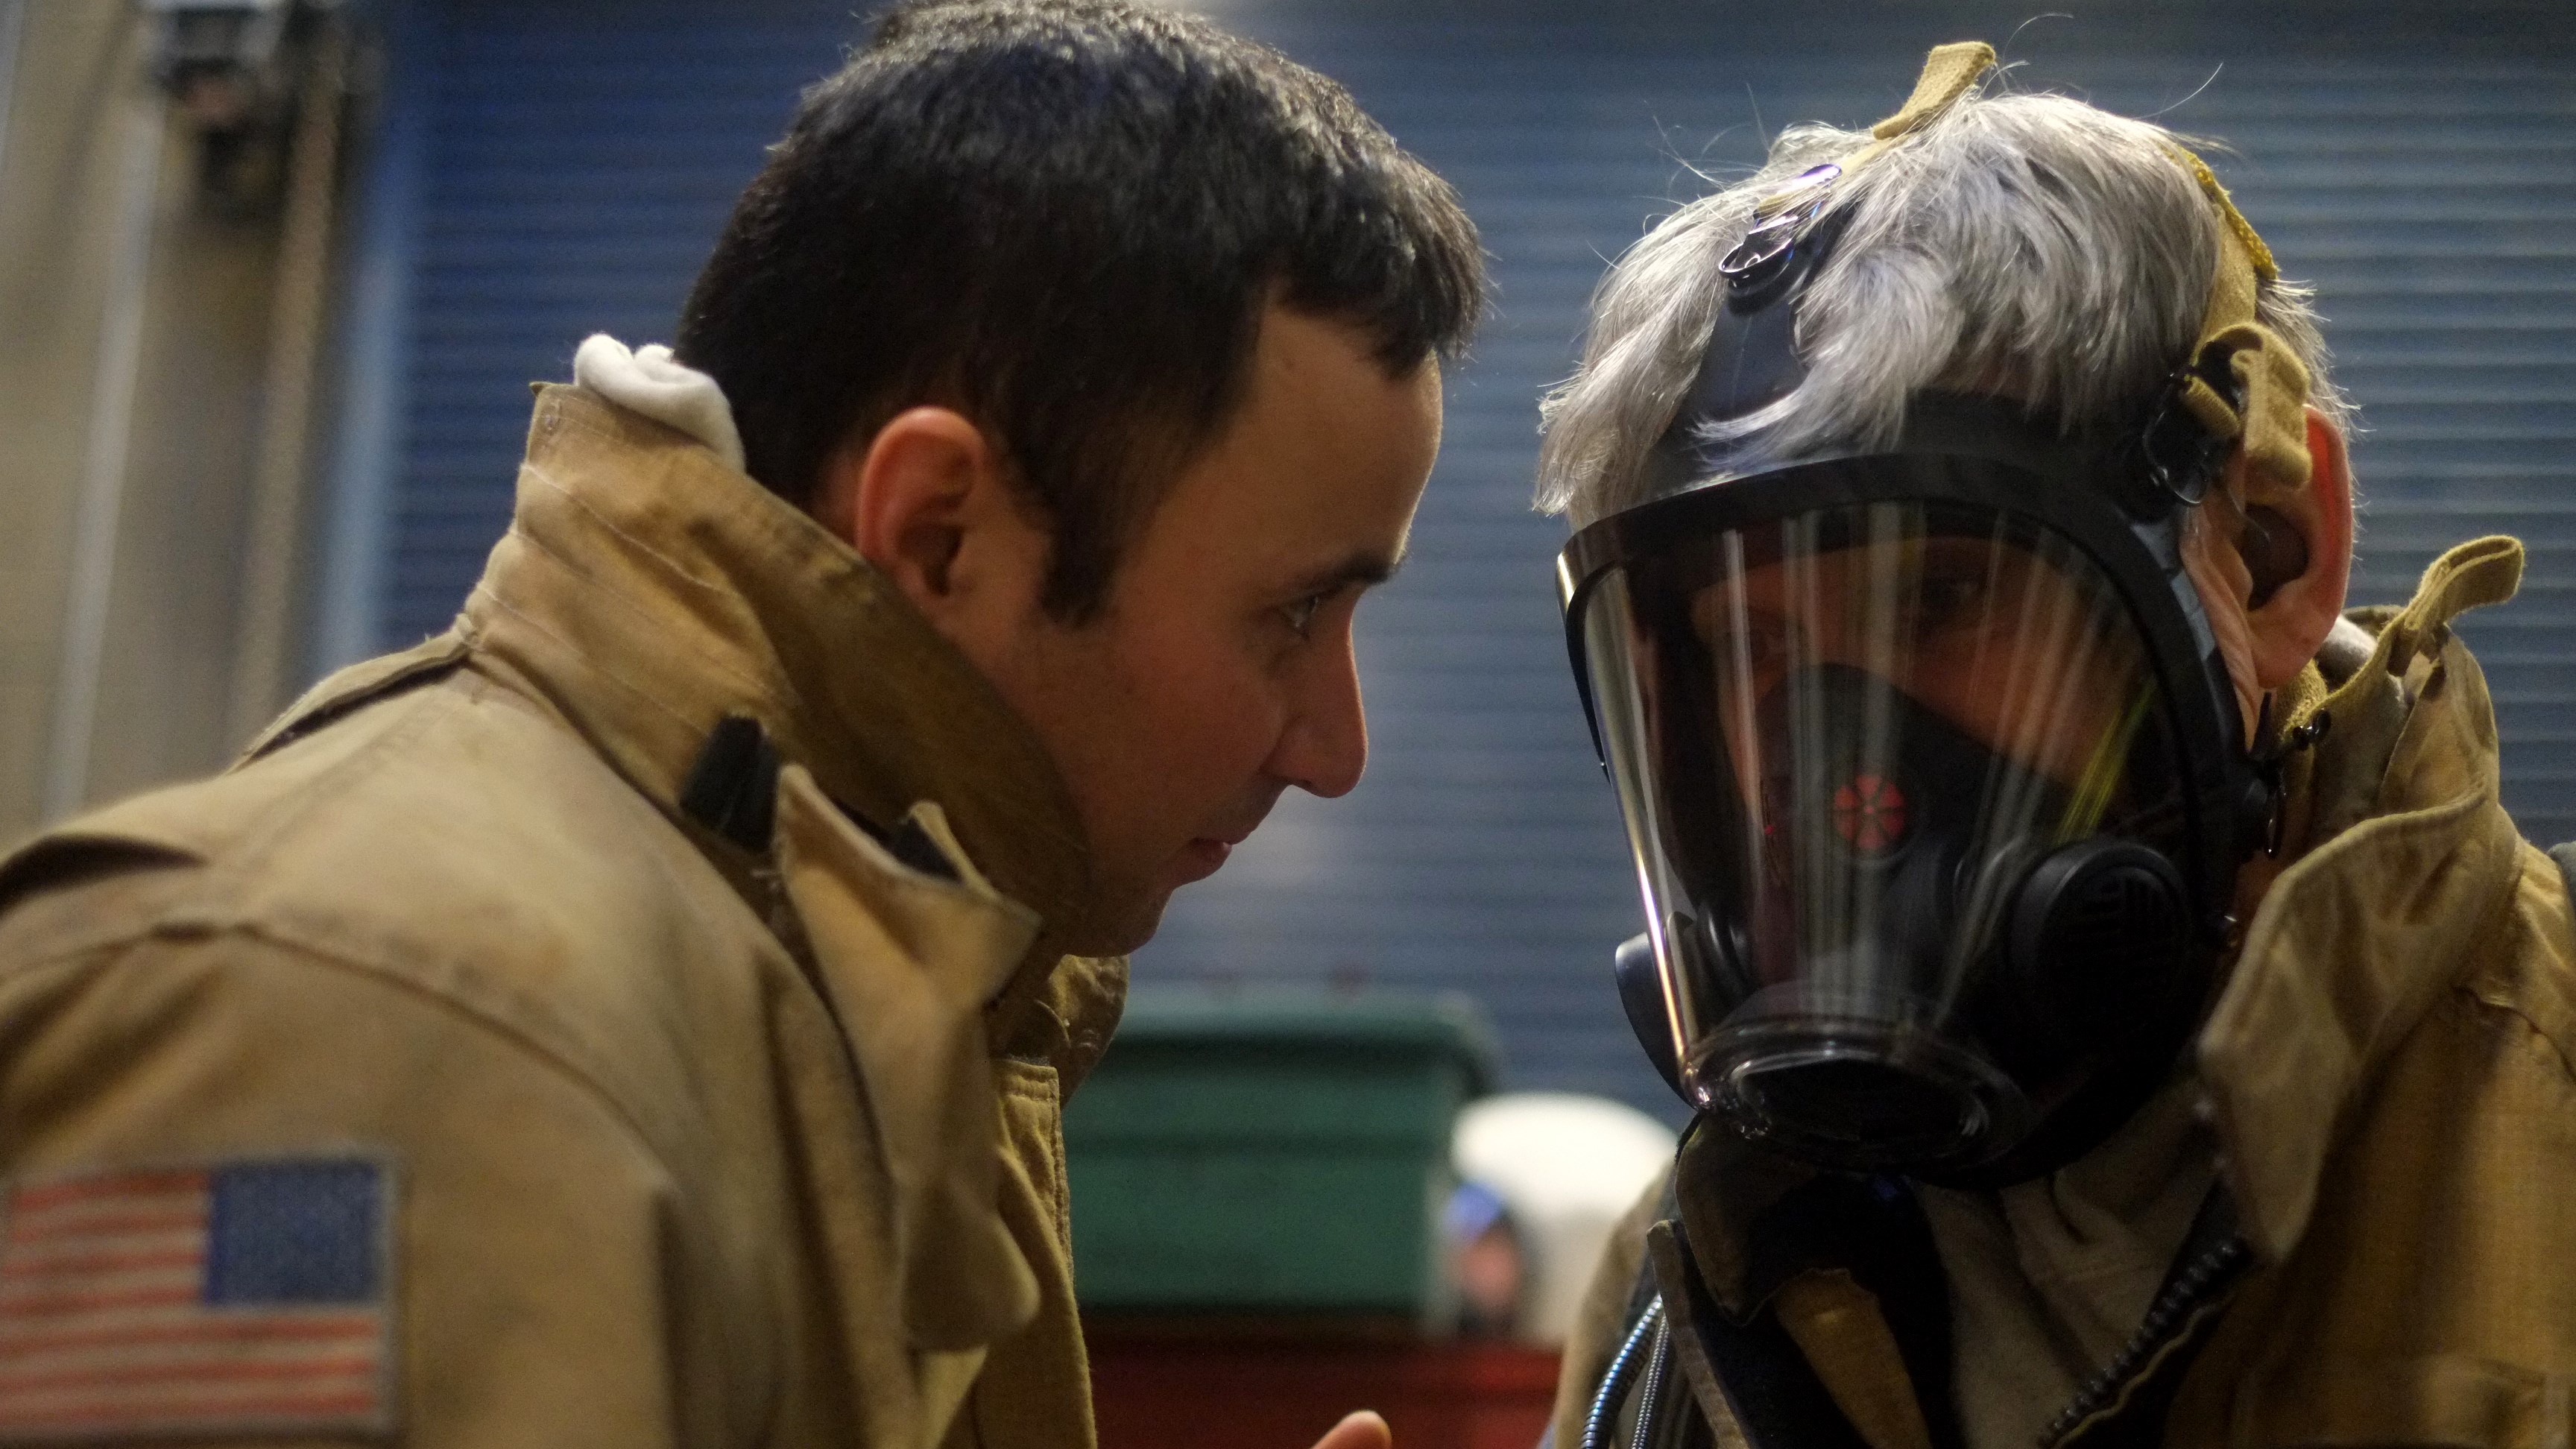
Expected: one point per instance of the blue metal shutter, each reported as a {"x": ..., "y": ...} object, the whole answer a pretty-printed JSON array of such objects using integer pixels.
[{"x": 582, "y": 156}]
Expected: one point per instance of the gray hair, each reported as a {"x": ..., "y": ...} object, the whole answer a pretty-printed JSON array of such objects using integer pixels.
[{"x": 2024, "y": 246}]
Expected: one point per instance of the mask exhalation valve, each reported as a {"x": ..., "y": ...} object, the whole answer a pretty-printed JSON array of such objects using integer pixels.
[{"x": 2095, "y": 931}]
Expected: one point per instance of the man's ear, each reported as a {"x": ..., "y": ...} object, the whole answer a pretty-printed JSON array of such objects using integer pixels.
[
  {"x": 927, "y": 502},
  {"x": 2296, "y": 545}
]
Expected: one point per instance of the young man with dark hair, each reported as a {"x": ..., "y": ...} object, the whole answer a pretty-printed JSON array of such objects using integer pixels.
[{"x": 641, "y": 1014}]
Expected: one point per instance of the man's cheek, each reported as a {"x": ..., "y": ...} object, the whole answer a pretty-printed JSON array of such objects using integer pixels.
[{"x": 2221, "y": 580}]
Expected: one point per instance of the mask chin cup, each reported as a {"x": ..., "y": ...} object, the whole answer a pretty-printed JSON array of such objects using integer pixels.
[
  {"x": 2086, "y": 975},
  {"x": 1860, "y": 1093}
]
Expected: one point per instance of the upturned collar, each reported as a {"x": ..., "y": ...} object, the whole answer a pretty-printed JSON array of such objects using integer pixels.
[
  {"x": 2402, "y": 857},
  {"x": 645, "y": 591}
]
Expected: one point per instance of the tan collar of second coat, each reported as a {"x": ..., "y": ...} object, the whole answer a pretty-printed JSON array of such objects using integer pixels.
[
  {"x": 2403, "y": 857},
  {"x": 645, "y": 591}
]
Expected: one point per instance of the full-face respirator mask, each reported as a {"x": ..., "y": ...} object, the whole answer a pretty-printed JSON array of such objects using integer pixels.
[{"x": 1931, "y": 769}]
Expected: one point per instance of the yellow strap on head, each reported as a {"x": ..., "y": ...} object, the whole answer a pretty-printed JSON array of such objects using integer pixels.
[
  {"x": 2259, "y": 255},
  {"x": 2273, "y": 426},
  {"x": 1948, "y": 72}
]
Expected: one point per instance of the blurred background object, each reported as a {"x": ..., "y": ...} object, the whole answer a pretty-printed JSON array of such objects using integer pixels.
[
  {"x": 171, "y": 174},
  {"x": 230, "y": 72},
  {"x": 273, "y": 275},
  {"x": 1487, "y": 1263},
  {"x": 1271, "y": 1227},
  {"x": 1280, "y": 1154},
  {"x": 1296, "y": 1201},
  {"x": 1559, "y": 1170}
]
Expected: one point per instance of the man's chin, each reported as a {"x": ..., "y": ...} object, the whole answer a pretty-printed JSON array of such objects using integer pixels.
[
  {"x": 1123, "y": 920},
  {"x": 1119, "y": 928}
]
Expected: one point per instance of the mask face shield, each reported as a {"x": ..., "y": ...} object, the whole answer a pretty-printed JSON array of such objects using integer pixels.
[{"x": 1901, "y": 778}]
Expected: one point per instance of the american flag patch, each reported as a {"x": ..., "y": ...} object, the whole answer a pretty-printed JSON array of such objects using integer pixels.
[{"x": 239, "y": 1298}]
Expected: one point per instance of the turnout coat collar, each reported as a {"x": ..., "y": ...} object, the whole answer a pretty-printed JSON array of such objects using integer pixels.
[
  {"x": 2404, "y": 857},
  {"x": 645, "y": 591}
]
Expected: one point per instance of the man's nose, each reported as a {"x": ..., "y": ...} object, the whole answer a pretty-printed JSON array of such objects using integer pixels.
[{"x": 1324, "y": 745}]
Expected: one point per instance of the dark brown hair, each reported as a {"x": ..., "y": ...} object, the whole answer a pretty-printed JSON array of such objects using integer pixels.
[{"x": 1064, "y": 218}]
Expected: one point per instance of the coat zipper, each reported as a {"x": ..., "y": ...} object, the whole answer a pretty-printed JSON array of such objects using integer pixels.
[{"x": 2167, "y": 1317}]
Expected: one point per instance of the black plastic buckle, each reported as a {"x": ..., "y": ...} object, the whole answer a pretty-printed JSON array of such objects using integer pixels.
[
  {"x": 2183, "y": 457},
  {"x": 1770, "y": 243}
]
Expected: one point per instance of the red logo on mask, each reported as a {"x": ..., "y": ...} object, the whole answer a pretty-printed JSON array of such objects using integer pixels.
[{"x": 1869, "y": 812}]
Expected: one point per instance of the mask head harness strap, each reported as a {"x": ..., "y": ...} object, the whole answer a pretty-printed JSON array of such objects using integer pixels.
[
  {"x": 1752, "y": 359},
  {"x": 2241, "y": 385}
]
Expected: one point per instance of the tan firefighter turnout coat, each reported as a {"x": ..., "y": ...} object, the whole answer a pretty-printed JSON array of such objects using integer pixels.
[
  {"x": 2387, "y": 1073},
  {"x": 434, "y": 1075}
]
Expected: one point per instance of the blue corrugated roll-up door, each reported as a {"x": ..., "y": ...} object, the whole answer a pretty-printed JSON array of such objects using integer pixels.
[{"x": 2420, "y": 169}]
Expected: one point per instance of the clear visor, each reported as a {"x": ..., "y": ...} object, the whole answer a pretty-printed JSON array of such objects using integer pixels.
[{"x": 1859, "y": 752}]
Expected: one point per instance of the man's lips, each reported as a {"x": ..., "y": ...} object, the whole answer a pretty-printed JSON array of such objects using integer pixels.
[
  {"x": 1206, "y": 854},
  {"x": 1202, "y": 858}
]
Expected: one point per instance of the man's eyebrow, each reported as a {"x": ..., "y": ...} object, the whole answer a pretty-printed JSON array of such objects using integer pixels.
[{"x": 1365, "y": 569}]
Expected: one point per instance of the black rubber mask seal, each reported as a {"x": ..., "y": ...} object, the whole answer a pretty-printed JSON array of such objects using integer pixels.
[{"x": 1982, "y": 454}]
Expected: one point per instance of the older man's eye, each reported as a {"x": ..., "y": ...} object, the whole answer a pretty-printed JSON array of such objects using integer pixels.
[
  {"x": 1301, "y": 614},
  {"x": 1949, "y": 600}
]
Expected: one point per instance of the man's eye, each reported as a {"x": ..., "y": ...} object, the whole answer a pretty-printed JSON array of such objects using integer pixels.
[
  {"x": 1301, "y": 614},
  {"x": 1752, "y": 640},
  {"x": 1947, "y": 601}
]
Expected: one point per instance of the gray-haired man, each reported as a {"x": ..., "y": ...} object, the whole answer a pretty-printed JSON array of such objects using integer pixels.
[{"x": 2118, "y": 1009}]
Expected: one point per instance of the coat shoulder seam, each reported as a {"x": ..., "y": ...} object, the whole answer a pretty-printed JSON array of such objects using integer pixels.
[{"x": 103, "y": 956}]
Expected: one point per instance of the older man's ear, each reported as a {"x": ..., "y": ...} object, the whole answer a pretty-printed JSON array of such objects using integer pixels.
[
  {"x": 2295, "y": 546},
  {"x": 2271, "y": 564}
]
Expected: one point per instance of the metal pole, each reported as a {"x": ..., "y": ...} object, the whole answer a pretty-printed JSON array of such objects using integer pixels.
[
  {"x": 102, "y": 496},
  {"x": 261, "y": 644},
  {"x": 370, "y": 363}
]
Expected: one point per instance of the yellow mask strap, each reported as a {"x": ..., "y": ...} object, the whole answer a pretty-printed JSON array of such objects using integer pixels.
[
  {"x": 1948, "y": 72},
  {"x": 2272, "y": 426}
]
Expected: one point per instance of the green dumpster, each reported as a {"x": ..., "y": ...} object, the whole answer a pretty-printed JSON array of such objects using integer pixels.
[{"x": 1265, "y": 1153}]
